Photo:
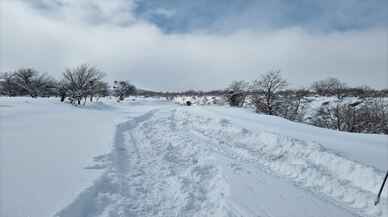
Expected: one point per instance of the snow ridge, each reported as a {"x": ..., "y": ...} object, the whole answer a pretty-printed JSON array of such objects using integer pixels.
[
  {"x": 177, "y": 162},
  {"x": 308, "y": 164}
]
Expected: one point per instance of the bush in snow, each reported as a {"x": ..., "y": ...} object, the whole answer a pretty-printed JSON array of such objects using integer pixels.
[
  {"x": 362, "y": 116},
  {"x": 372, "y": 116},
  {"x": 331, "y": 116},
  {"x": 122, "y": 89},
  {"x": 102, "y": 89},
  {"x": 290, "y": 104},
  {"x": 236, "y": 93},
  {"x": 330, "y": 87}
]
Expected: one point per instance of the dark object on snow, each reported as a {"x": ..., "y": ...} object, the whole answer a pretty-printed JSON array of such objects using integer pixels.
[
  {"x": 236, "y": 98},
  {"x": 63, "y": 97},
  {"x": 188, "y": 103},
  {"x": 355, "y": 104},
  {"x": 381, "y": 189}
]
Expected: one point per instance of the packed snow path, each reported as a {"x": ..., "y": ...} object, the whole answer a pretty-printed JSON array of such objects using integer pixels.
[{"x": 189, "y": 161}]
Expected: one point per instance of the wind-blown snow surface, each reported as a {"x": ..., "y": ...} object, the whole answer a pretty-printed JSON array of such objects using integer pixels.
[{"x": 171, "y": 160}]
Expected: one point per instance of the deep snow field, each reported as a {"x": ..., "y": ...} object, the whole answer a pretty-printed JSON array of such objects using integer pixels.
[{"x": 150, "y": 157}]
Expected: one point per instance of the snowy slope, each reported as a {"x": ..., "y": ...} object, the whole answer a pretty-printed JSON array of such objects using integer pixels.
[
  {"x": 171, "y": 160},
  {"x": 318, "y": 167},
  {"x": 369, "y": 149}
]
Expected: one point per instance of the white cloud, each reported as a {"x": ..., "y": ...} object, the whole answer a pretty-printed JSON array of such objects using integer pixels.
[{"x": 150, "y": 58}]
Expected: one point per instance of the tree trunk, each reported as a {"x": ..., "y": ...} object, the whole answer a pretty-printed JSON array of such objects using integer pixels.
[
  {"x": 268, "y": 102},
  {"x": 338, "y": 116}
]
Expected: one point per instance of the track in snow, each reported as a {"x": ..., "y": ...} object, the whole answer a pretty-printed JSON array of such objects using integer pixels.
[{"x": 174, "y": 161}]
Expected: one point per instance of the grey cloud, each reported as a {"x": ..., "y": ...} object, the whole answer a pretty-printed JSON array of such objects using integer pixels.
[
  {"x": 146, "y": 55},
  {"x": 229, "y": 15}
]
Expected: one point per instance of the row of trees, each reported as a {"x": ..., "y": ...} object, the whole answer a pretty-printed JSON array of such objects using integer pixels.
[
  {"x": 268, "y": 94},
  {"x": 77, "y": 84},
  {"x": 265, "y": 92},
  {"x": 27, "y": 82},
  {"x": 369, "y": 115}
]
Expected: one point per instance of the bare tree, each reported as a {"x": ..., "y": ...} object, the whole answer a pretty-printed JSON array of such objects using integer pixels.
[
  {"x": 102, "y": 89},
  {"x": 62, "y": 89},
  {"x": 80, "y": 82},
  {"x": 33, "y": 83},
  {"x": 236, "y": 93},
  {"x": 362, "y": 116},
  {"x": 372, "y": 116},
  {"x": 269, "y": 84},
  {"x": 45, "y": 85},
  {"x": 289, "y": 104},
  {"x": 24, "y": 78},
  {"x": 330, "y": 87},
  {"x": 328, "y": 117},
  {"x": 122, "y": 89},
  {"x": 238, "y": 86},
  {"x": 8, "y": 85},
  {"x": 98, "y": 89}
]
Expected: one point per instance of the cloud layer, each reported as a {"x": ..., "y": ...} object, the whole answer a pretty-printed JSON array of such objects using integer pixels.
[{"x": 53, "y": 35}]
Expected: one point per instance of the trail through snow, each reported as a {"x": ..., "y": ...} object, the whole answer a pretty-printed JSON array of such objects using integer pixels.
[{"x": 189, "y": 161}]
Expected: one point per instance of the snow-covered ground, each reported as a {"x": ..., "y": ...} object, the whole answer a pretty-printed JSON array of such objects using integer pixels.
[
  {"x": 154, "y": 158},
  {"x": 45, "y": 147}
]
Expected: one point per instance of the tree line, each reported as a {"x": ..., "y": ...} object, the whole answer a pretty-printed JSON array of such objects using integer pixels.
[
  {"x": 368, "y": 113},
  {"x": 269, "y": 94},
  {"x": 76, "y": 85}
]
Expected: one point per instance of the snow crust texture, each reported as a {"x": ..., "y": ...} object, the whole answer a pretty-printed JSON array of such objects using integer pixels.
[{"x": 182, "y": 161}]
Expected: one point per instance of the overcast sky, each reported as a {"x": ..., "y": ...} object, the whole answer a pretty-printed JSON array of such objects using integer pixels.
[{"x": 201, "y": 44}]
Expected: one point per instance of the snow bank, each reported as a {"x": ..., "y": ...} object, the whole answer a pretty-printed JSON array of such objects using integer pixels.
[
  {"x": 310, "y": 165},
  {"x": 369, "y": 149}
]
